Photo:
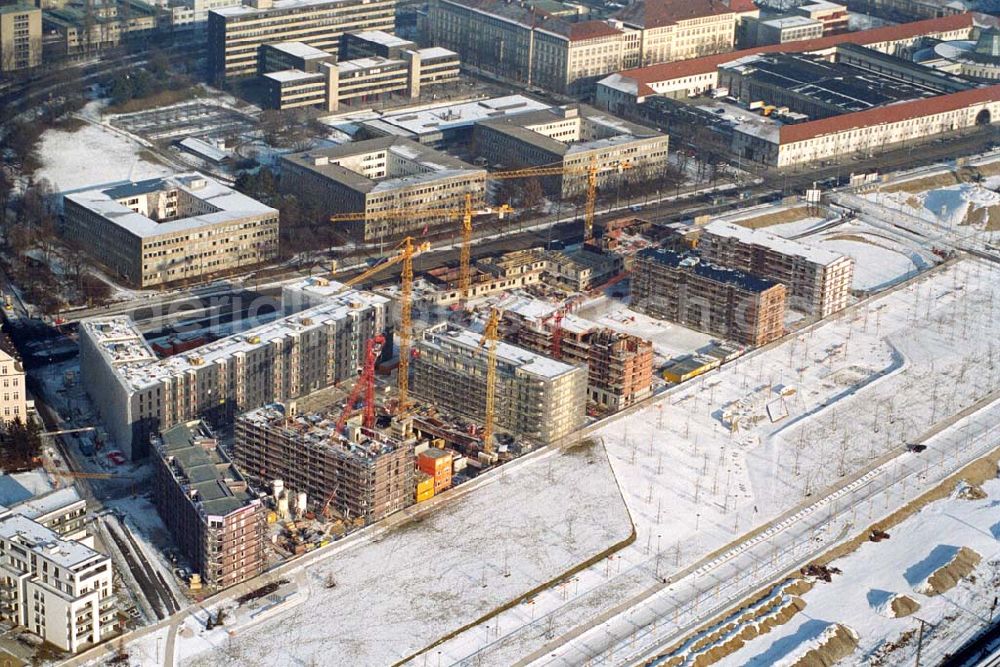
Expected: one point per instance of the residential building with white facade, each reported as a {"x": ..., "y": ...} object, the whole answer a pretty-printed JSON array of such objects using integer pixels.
[
  {"x": 55, "y": 586},
  {"x": 13, "y": 392},
  {"x": 318, "y": 343}
]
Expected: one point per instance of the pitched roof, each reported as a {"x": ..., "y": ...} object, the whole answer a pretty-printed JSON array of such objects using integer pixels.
[
  {"x": 892, "y": 113},
  {"x": 660, "y": 13},
  {"x": 591, "y": 30},
  {"x": 707, "y": 64}
]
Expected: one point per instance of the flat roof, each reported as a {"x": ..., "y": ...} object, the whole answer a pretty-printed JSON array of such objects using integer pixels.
[
  {"x": 289, "y": 75},
  {"x": 47, "y": 503},
  {"x": 764, "y": 238},
  {"x": 443, "y": 337},
  {"x": 435, "y": 165},
  {"x": 231, "y": 206},
  {"x": 48, "y": 544},
  {"x": 17, "y": 8},
  {"x": 299, "y": 50},
  {"x": 136, "y": 366},
  {"x": 381, "y": 37},
  {"x": 450, "y": 116},
  {"x": 892, "y": 113},
  {"x": 839, "y": 87},
  {"x": 794, "y": 21},
  {"x": 279, "y": 6},
  {"x": 694, "y": 263},
  {"x": 617, "y": 130}
]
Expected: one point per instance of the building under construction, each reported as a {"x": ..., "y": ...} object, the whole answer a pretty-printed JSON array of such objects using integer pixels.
[
  {"x": 537, "y": 398},
  {"x": 365, "y": 473},
  {"x": 215, "y": 517},
  {"x": 680, "y": 287},
  {"x": 818, "y": 280},
  {"x": 619, "y": 365}
]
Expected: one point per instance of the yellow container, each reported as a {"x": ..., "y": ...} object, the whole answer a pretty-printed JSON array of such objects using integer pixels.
[
  {"x": 426, "y": 495},
  {"x": 272, "y": 517}
]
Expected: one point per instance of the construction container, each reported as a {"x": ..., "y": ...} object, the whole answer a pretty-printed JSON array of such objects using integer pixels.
[
  {"x": 438, "y": 464},
  {"x": 425, "y": 487},
  {"x": 272, "y": 517},
  {"x": 687, "y": 367}
]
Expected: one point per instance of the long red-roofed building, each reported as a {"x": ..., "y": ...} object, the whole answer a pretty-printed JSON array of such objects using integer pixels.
[
  {"x": 811, "y": 132},
  {"x": 697, "y": 75}
]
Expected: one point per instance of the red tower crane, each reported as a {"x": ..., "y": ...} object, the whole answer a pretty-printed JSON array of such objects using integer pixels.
[
  {"x": 557, "y": 334},
  {"x": 366, "y": 382}
]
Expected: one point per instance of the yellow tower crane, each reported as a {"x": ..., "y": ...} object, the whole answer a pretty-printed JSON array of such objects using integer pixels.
[
  {"x": 491, "y": 336},
  {"x": 406, "y": 251},
  {"x": 592, "y": 170}
]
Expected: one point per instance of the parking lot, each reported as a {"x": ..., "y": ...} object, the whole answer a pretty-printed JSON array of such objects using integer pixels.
[{"x": 190, "y": 119}]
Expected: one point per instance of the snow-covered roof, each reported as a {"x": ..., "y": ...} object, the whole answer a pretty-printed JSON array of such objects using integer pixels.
[
  {"x": 436, "y": 52},
  {"x": 774, "y": 242},
  {"x": 47, "y": 543},
  {"x": 47, "y": 503},
  {"x": 381, "y": 37},
  {"x": 449, "y": 116},
  {"x": 299, "y": 50},
  {"x": 525, "y": 361},
  {"x": 228, "y": 204},
  {"x": 290, "y": 75},
  {"x": 133, "y": 361}
]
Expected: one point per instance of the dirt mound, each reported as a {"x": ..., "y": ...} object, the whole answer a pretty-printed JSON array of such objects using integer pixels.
[
  {"x": 948, "y": 575},
  {"x": 904, "y": 605},
  {"x": 731, "y": 632},
  {"x": 892, "y": 605},
  {"x": 836, "y": 643}
]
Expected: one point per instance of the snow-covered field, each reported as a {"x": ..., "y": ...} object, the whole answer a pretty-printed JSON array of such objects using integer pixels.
[
  {"x": 705, "y": 463},
  {"x": 399, "y": 592},
  {"x": 92, "y": 155},
  {"x": 876, "y": 572}
]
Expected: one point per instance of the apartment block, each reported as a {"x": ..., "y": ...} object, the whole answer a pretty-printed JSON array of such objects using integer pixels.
[
  {"x": 312, "y": 347},
  {"x": 528, "y": 44},
  {"x": 362, "y": 473},
  {"x": 818, "y": 280},
  {"x": 218, "y": 521},
  {"x": 52, "y": 585},
  {"x": 573, "y": 136},
  {"x": 619, "y": 365},
  {"x": 619, "y": 369},
  {"x": 13, "y": 391},
  {"x": 581, "y": 269},
  {"x": 163, "y": 230},
  {"x": 20, "y": 37},
  {"x": 439, "y": 287},
  {"x": 321, "y": 82},
  {"x": 723, "y": 302},
  {"x": 235, "y": 34},
  {"x": 384, "y": 174},
  {"x": 537, "y": 398}
]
